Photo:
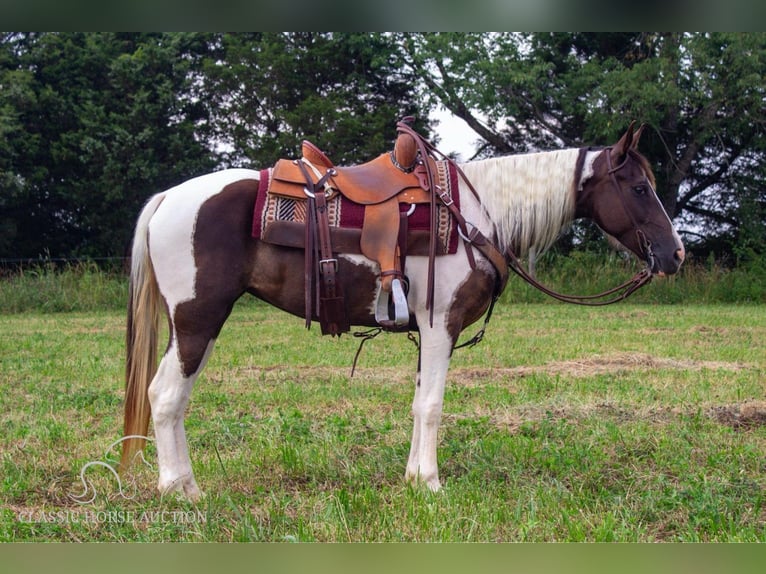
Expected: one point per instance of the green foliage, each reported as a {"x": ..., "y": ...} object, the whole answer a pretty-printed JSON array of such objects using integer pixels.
[
  {"x": 341, "y": 91},
  {"x": 700, "y": 95},
  {"x": 93, "y": 123}
]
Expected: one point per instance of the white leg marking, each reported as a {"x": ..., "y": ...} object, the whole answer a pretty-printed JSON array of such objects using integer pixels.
[
  {"x": 169, "y": 395},
  {"x": 435, "y": 353},
  {"x": 435, "y": 348}
]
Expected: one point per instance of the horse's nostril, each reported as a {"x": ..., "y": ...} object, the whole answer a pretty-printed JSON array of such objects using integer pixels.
[{"x": 680, "y": 254}]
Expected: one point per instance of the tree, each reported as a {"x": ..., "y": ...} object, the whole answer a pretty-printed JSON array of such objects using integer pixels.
[
  {"x": 92, "y": 124},
  {"x": 269, "y": 91},
  {"x": 701, "y": 95}
]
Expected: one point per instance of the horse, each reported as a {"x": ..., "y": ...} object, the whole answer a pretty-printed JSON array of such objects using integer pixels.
[{"x": 193, "y": 256}]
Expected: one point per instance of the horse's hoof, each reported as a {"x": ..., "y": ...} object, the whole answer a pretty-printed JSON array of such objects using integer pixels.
[
  {"x": 193, "y": 492},
  {"x": 182, "y": 487},
  {"x": 417, "y": 479},
  {"x": 434, "y": 485}
]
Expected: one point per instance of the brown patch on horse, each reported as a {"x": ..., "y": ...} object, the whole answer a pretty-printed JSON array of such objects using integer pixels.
[
  {"x": 470, "y": 301},
  {"x": 277, "y": 278},
  {"x": 221, "y": 262}
]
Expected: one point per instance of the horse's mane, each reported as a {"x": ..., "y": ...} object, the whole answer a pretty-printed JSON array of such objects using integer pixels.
[{"x": 530, "y": 198}]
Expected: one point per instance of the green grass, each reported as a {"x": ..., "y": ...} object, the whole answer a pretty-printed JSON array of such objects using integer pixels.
[
  {"x": 78, "y": 287},
  {"x": 86, "y": 287},
  {"x": 635, "y": 422}
]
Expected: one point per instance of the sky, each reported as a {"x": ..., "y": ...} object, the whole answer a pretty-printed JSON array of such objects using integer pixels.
[{"x": 454, "y": 135}]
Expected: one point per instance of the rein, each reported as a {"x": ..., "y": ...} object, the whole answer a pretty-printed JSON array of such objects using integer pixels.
[
  {"x": 624, "y": 290},
  {"x": 476, "y": 239},
  {"x": 508, "y": 260}
]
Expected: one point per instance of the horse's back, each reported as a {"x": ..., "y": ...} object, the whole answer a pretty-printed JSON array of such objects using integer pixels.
[
  {"x": 217, "y": 180},
  {"x": 189, "y": 204}
]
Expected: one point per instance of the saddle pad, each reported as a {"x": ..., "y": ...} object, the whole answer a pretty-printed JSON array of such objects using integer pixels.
[{"x": 344, "y": 213}]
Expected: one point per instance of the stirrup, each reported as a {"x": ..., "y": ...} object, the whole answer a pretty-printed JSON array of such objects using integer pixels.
[{"x": 401, "y": 316}]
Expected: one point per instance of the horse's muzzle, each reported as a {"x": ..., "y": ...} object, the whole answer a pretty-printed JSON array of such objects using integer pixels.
[{"x": 662, "y": 266}]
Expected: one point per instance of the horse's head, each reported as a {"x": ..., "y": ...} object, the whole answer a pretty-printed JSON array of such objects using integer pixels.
[{"x": 620, "y": 197}]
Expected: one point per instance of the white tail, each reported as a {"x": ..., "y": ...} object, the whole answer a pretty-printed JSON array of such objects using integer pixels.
[{"x": 143, "y": 324}]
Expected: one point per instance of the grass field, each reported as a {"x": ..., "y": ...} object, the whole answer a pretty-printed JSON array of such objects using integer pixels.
[{"x": 628, "y": 423}]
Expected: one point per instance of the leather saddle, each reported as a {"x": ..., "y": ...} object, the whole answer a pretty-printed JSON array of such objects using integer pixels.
[{"x": 381, "y": 185}]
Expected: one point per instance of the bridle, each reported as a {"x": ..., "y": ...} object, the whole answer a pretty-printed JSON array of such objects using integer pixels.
[{"x": 643, "y": 243}]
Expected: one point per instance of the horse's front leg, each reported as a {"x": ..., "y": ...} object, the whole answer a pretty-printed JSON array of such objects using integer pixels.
[{"x": 435, "y": 352}]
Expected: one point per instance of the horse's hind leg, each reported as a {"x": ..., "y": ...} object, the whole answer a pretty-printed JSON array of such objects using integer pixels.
[
  {"x": 169, "y": 395},
  {"x": 192, "y": 340}
]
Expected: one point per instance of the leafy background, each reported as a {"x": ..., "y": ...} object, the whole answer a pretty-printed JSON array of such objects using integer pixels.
[{"x": 91, "y": 124}]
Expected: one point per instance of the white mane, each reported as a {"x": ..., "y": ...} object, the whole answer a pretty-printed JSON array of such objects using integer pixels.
[{"x": 530, "y": 198}]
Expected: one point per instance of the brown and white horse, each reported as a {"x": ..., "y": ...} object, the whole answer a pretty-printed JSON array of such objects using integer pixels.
[{"x": 194, "y": 256}]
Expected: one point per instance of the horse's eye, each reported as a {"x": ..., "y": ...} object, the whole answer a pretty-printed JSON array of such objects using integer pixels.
[{"x": 639, "y": 189}]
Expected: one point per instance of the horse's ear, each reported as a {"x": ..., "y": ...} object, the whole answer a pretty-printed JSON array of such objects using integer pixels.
[
  {"x": 637, "y": 136},
  {"x": 620, "y": 149}
]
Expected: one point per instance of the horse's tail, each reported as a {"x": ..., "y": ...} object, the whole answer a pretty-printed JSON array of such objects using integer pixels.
[{"x": 143, "y": 325}]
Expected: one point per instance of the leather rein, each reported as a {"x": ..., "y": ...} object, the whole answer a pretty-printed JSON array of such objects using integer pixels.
[
  {"x": 507, "y": 260},
  {"x": 486, "y": 247}
]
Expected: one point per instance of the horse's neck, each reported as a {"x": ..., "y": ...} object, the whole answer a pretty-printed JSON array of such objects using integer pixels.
[{"x": 529, "y": 198}]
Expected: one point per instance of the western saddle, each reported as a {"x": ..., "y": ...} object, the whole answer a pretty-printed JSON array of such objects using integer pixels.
[{"x": 405, "y": 175}]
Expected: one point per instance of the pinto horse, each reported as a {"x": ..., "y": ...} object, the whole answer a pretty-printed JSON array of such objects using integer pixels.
[{"x": 194, "y": 256}]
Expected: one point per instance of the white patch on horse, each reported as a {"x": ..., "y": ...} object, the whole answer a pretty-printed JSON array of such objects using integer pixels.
[
  {"x": 361, "y": 260},
  {"x": 171, "y": 232},
  {"x": 587, "y": 168}
]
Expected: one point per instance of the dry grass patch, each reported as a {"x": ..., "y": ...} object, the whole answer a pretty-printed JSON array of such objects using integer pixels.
[
  {"x": 748, "y": 415},
  {"x": 588, "y": 367}
]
